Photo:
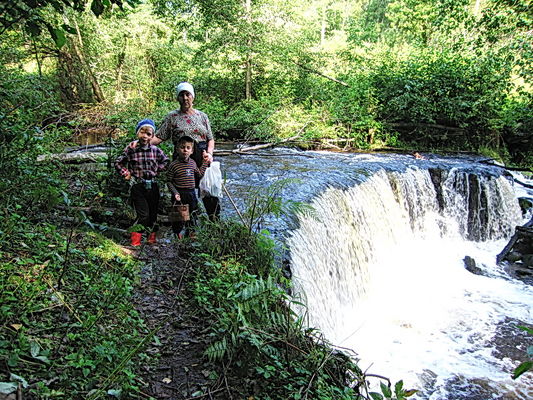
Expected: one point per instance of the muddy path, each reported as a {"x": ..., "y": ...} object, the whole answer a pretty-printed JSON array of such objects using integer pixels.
[{"x": 165, "y": 301}]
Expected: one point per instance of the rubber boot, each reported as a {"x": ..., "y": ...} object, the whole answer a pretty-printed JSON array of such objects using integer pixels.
[
  {"x": 136, "y": 238},
  {"x": 152, "y": 238}
]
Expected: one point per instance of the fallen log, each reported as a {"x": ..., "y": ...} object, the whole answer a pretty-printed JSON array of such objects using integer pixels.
[
  {"x": 314, "y": 71},
  {"x": 74, "y": 158},
  {"x": 410, "y": 125},
  {"x": 491, "y": 162},
  {"x": 263, "y": 145}
]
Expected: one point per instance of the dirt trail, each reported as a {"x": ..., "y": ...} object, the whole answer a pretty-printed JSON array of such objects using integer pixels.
[{"x": 165, "y": 303}]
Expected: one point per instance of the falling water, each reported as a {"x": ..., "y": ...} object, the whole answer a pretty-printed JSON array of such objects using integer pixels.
[{"x": 381, "y": 268}]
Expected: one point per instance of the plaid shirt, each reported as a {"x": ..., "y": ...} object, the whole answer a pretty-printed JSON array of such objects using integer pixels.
[{"x": 142, "y": 162}]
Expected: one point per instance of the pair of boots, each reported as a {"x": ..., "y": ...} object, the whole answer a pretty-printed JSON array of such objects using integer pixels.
[{"x": 136, "y": 238}]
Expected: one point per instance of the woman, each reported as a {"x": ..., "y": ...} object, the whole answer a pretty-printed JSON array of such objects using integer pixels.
[{"x": 187, "y": 121}]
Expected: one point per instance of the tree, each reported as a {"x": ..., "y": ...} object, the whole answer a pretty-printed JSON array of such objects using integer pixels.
[{"x": 30, "y": 14}]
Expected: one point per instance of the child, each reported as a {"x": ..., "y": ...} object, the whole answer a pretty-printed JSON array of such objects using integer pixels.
[
  {"x": 181, "y": 182},
  {"x": 139, "y": 164}
]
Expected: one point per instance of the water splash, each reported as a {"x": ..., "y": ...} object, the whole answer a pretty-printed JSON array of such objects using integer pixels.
[{"x": 382, "y": 273}]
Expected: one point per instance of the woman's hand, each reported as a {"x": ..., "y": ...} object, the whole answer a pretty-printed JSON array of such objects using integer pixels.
[
  {"x": 207, "y": 157},
  {"x": 127, "y": 175},
  {"x": 177, "y": 197}
]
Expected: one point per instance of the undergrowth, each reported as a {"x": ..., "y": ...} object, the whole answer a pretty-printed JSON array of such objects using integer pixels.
[
  {"x": 68, "y": 323},
  {"x": 256, "y": 336}
]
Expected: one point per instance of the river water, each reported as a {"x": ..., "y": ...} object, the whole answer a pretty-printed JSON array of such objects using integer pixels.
[{"x": 380, "y": 264}]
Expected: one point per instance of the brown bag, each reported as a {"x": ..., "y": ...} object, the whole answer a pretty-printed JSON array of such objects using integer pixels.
[{"x": 179, "y": 213}]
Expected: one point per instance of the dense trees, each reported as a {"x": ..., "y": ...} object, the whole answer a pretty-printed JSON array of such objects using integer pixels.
[
  {"x": 450, "y": 72},
  {"x": 433, "y": 73}
]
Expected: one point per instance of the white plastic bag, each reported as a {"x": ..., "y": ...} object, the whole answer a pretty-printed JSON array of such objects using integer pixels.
[{"x": 211, "y": 183}]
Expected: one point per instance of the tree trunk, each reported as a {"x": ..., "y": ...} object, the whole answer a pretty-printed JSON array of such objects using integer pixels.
[
  {"x": 97, "y": 90},
  {"x": 323, "y": 28},
  {"x": 248, "y": 77}
]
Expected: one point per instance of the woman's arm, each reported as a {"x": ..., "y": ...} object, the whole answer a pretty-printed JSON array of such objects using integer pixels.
[
  {"x": 155, "y": 140},
  {"x": 210, "y": 149}
]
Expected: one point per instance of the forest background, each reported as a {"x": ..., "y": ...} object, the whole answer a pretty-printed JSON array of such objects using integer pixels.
[
  {"x": 448, "y": 74},
  {"x": 424, "y": 75}
]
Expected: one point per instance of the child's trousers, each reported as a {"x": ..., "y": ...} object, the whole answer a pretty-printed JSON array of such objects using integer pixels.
[{"x": 146, "y": 202}]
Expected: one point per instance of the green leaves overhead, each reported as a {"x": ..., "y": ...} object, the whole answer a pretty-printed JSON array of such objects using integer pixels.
[{"x": 34, "y": 15}]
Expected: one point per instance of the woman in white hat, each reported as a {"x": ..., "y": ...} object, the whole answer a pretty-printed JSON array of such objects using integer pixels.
[{"x": 188, "y": 121}]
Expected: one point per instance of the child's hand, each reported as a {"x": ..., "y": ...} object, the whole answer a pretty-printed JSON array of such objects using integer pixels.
[
  {"x": 127, "y": 175},
  {"x": 133, "y": 144},
  {"x": 177, "y": 197}
]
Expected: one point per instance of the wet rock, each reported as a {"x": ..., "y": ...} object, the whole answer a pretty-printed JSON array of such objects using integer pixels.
[
  {"x": 471, "y": 266},
  {"x": 517, "y": 255},
  {"x": 526, "y": 204},
  {"x": 513, "y": 256}
]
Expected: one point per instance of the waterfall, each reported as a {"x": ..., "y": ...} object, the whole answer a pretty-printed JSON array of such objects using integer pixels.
[{"x": 380, "y": 268}]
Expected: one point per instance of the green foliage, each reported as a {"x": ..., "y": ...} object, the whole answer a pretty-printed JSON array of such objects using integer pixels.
[
  {"x": 228, "y": 239},
  {"x": 32, "y": 15},
  {"x": 66, "y": 308},
  {"x": 387, "y": 394},
  {"x": 256, "y": 333},
  {"x": 445, "y": 97},
  {"x": 526, "y": 365},
  {"x": 25, "y": 101}
]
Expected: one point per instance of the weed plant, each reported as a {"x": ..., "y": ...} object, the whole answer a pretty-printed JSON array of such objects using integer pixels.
[
  {"x": 256, "y": 335},
  {"x": 68, "y": 321}
]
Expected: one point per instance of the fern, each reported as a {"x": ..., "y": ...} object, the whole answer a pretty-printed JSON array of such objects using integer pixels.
[{"x": 217, "y": 350}]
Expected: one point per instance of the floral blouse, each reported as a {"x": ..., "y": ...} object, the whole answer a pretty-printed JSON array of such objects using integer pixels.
[{"x": 177, "y": 124}]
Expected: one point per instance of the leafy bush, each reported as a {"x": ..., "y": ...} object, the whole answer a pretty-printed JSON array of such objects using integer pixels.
[
  {"x": 429, "y": 89},
  {"x": 69, "y": 327}
]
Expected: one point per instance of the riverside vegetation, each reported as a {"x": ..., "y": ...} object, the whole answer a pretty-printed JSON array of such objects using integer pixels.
[{"x": 448, "y": 75}]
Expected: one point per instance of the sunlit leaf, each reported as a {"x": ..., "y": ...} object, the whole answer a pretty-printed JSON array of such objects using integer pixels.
[
  {"x": 34, "y": 349},
  {"x": 58, "y": 36},
  {"x": 376, "y": 396},
  {"x": 385, "y": 390},
  {"x": 20, "y": 379},
  {"x": 114, "y": 392},
  {"x": 8, "y": 387},
  {"x": 522, "y": 368}
]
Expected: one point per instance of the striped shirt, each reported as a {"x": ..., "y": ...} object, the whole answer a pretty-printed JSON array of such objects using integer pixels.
[
  {"x": 182, "y": 173},
  {"x": 142, "y": 162}
]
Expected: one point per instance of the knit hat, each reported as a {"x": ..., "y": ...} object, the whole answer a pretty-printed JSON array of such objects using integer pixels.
[
  {"x": 184, "y": 86},
  {"x": 145, "y": 122}
]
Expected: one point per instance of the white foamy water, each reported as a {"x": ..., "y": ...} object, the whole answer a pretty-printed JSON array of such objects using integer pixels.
[{"x": 383, "y": 274}]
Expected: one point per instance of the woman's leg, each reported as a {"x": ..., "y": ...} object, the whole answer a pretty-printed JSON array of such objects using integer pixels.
[{"x": 212, "y": 207}]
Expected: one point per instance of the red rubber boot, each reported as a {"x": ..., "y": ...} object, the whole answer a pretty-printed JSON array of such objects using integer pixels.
[
  {"x": 152, "y": 238},
  {"x": 136, "y": 238}
]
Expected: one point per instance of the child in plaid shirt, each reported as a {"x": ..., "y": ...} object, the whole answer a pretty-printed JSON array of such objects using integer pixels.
[{"x": 139, "y": 164}]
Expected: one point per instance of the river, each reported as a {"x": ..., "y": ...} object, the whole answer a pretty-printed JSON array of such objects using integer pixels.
[{"x": 380, "y": 264}]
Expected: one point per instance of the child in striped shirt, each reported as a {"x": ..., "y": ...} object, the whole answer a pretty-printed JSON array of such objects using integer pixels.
[{"x": 181, "y": 177}]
